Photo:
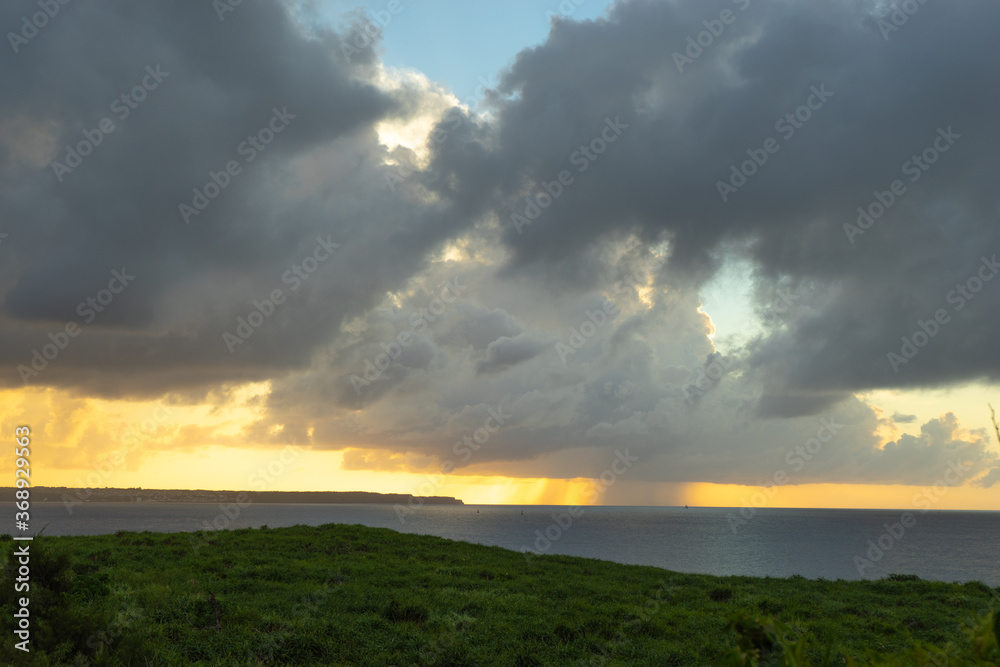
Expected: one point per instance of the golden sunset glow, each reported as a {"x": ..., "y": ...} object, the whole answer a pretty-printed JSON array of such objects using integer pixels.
[
  {"x": 844, "y": 496},
  {"x": 153, "y": 444},
  {"x": 463, "y": 264}
]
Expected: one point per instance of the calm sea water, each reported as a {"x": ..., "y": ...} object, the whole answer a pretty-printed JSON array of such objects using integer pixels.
[{"x": 941, "y": 545}]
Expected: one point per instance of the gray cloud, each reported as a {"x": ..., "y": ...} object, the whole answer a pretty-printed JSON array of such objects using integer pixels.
[
  {"x": 319, "y": 177},
  {"x": 687, "y": 129},
  {"x": 651, "y": 191},
  {"x": 505, "y": 352}
]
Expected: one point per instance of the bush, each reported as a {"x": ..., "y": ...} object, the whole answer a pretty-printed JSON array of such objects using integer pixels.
[
  {"x": 770, "y": 643},
  {"x": 64, "y": 627}
]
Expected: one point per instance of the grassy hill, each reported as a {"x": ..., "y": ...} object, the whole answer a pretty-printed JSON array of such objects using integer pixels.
[{"x": 352, "y": 595}]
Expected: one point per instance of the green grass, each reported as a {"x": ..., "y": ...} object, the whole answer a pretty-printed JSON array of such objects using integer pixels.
[{"x": 352, "y": 595}]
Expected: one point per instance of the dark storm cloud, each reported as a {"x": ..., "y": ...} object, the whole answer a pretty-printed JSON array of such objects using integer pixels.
[
  {"x": 279, "y": 125},
  {"x": 306, "y": 267},
  {"x": 847, "y": 113},
  {"x": 870, "y": 106},
  {"x": 668, "y": 138}
]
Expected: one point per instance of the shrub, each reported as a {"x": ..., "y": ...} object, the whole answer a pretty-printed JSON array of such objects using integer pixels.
[
  {"x": 770, "y": 643},
  {"x": 64, "y": 627}
]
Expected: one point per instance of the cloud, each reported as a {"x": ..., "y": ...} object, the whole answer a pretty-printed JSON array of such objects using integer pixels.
[
  {"x": 505, "y": 352},
  {"x": 686, "y": 131},
  {"x": 940, "y": 446},
  {"x": 612, "y": 265},
  {"x": 321, "y": 175},
  {"x": 987, "y": 481}
]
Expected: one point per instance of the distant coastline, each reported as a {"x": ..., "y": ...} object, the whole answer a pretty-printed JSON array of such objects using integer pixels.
[{"x": 140, "y": 495}]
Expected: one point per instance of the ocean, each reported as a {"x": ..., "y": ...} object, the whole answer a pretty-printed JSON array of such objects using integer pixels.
[{"x": 815, "y": 543}]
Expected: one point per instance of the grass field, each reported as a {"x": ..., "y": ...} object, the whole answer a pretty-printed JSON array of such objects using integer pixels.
[{"x": 352, "y": 595}]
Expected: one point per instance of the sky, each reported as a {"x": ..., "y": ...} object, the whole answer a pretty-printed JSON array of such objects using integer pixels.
[{"x": 646, "y": 252}]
